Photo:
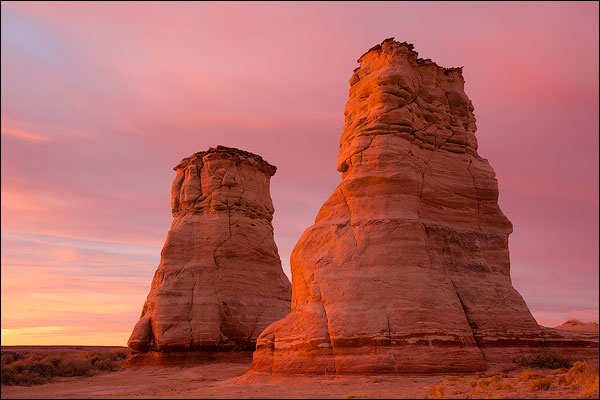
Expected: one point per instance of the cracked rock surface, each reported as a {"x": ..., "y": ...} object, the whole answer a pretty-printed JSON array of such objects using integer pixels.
[
  {"x": 220, "y": 281},
  {"x": 406, "y": 269}
]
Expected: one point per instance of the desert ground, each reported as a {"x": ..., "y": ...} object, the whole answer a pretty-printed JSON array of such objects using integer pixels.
[{"x": 221, "y": 379}]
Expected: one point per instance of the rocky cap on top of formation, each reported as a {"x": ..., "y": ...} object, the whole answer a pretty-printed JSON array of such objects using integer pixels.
[
  {"x": 231, "y": 153},
  {"x": 223, "y": 179},
  {"x": 411, "y": 49}
]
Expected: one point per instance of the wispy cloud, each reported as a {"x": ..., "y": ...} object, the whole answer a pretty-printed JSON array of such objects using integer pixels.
[{"x": 28, "y": 136}]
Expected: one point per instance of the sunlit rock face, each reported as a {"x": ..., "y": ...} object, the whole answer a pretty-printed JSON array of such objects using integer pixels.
[
  {"x": 406, "y": 268},
  {"x": 220, "y": 281}
]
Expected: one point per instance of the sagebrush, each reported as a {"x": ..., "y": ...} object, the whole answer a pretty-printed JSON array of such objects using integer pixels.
[{"x": 37, "y": 367}]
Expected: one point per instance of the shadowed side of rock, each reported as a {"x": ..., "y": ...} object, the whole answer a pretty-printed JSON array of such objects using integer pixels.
[{"x": 220, "y": 281}]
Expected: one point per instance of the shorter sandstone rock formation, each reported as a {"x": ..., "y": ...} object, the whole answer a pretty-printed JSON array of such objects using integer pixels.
[{"x": 220, "y": 281}]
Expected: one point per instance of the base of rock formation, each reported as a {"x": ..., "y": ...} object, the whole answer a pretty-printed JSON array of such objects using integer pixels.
[
  {"x": 184, "y": 358},
  {"x": 574, "y": 346}
]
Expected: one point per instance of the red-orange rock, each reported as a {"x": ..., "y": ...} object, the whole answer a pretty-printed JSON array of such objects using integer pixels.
[
  {"x": 220, "y": 281},
  {"x": 406, "y": 268},
  {"x": 575, "y": 325}
]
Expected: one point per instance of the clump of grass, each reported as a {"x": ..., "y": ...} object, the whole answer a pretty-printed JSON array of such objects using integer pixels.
[
  {"x": 541, "y": 384},
  {"x": 591, "y": 389},
  {"x": 436, "y": 392},
  {"x": 528, "y": 375},
  {"x": 509, "y": 388},
  {"x": 452, "y": 378},
  {"x": 37, "y": 367},
  {"x": 484, "y": 383},
  {"x": 480, "y": 375},
  {"x": 561, "y": 370},
  {"x": 585, "y": 375},
  {"x": 578, "y": 373},
  {"x": 472, "y": 383}
]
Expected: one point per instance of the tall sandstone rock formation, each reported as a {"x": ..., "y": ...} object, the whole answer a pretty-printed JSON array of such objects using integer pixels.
[
  {"x": 406, "y": 268},
  {"x": 220, "y": 281}
]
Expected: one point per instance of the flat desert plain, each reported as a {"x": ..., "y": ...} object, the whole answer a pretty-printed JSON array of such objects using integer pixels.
[{"x": 221, "y": 379}]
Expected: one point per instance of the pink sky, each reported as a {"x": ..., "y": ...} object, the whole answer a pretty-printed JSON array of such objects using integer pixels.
[{"x": 101, "y": 100}]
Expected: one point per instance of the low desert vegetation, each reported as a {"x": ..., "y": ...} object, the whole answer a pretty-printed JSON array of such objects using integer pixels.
[
  {"x": 545, "y": 359},
  {"x": 37, "y": 367},
  {"x": 436, "y": 392},
  {"x": 541, "y": 384},
  {"x": 483, "y": 383},
  {"x": 581, "y": 380},
  {"x": 528, "y": 375},
  {"x": 585, "y": 375}
]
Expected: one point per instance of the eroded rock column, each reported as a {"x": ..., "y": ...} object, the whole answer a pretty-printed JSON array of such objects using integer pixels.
[
  {"x": 220, "y": 281},
  {"x": 406, "y": 268}
]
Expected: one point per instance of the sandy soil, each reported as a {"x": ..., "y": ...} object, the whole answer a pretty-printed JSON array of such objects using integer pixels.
[{"x": 220, "y": 380}]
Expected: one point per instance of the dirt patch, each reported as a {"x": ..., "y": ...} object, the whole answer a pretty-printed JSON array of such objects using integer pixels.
[{"x": 222, "y": 380}]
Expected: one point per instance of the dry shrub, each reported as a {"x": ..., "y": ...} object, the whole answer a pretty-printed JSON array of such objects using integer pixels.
[
  {"x": 550, "y": 359},
  {"x": 484, "y": 383},
  {"x": 561, "y": 370},
  {"x": 585, "y": 375},
  {"x": 472, "y": 383},
  {"x": 590, "y": 389},
  {"x": 436, "y": 392},
  {"x": 541, "y": 383},
  {"x": 452, "y": 378},
  {"x": 545, "y": 359},
  {"x": 480, "y": 374},
  {"x": 509, "y": 388},
  {"x": 32, "y": 368},
  {"x": 528, "y": 375}
]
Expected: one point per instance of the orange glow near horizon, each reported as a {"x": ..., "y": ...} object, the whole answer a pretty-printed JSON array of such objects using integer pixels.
[{"x": 94, "y": 119}]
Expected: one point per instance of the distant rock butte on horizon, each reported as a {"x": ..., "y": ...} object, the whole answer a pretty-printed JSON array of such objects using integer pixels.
[
  {"x": 406, "y": 269},
  {"x": 575, "y": 325},
  {"x": 220, "y": 281}
]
